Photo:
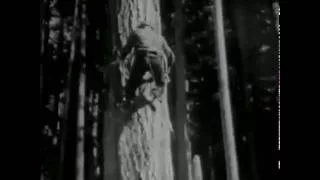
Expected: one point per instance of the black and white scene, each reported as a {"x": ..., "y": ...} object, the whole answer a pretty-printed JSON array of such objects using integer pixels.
[{"x": 159, "y": 89}]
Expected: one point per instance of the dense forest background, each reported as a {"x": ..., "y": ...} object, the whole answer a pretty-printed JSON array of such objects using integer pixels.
[{"x": 77, "y": 31}]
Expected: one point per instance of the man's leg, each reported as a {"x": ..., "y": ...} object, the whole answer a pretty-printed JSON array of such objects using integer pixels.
[
  {"x": 155, "y": 64},
  {"x": 135, "y": 79}
]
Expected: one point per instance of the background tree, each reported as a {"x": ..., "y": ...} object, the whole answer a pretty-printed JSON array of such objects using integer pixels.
[{"x": 183, "y": 162}]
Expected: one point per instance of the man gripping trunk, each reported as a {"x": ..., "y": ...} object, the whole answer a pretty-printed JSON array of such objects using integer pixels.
[{"x": 152, "y": 53}]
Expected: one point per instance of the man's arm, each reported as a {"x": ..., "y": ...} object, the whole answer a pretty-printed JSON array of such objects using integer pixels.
[
  {"x": 169, "y": 53},
  {"x": 128, "y": 47}
]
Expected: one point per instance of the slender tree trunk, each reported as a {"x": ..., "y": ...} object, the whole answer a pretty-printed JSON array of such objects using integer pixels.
[
  {"x": 180, "y": 113},
  {"x": 72, "y": 58},
  {"x": 68, "y": 126},
  {"x": 226, "y": 111},
  {"x": 81, "y": 127},
  {"x": 137, "y": 145},
  {"x": 80, "y": 152}
]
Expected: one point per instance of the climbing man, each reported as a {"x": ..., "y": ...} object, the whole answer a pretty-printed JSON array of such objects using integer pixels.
[{"x": 151, "y": 54}]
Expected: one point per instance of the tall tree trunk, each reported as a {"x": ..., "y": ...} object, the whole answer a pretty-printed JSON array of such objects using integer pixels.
[
  {"x": 183, "y": 166},
  {"x": 137, "y": 145},
  {"x": 69, "y": 123},
  {"x": 80, "y": 151},
  {"x": 226, "y": 110},
  {"x": 80, "y": 127}
]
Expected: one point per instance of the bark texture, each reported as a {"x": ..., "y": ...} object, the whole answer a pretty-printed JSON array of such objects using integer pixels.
[{"x": 137, "y": 142}]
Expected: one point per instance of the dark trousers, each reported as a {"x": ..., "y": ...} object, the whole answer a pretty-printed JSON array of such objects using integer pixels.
[{"x": 145, "y": 61}]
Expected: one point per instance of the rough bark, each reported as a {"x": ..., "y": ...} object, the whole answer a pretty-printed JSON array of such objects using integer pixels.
[{"x": 137, "y": 144}]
